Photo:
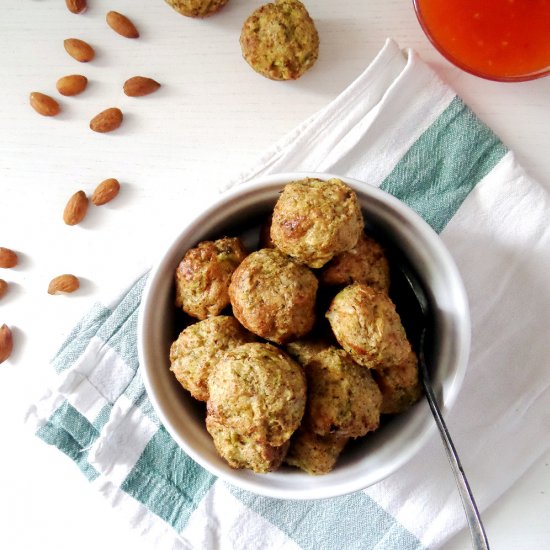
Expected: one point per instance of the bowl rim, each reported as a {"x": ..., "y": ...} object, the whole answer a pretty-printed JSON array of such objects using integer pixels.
[
  {"x": 464, "y": 66},
  {"x": 448, "y": 392}
]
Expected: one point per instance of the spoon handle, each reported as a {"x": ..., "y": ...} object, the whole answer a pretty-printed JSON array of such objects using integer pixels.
[{"x": 477, "y": 531}]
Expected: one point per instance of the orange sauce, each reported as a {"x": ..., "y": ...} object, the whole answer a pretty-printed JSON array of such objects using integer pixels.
[{"x": 492, "y": 38}]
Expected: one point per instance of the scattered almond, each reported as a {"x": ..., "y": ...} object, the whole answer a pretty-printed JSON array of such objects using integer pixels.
[
  {"x": 63, "y": 283},
  {"x": 72, "y": 84},
  {"x": 44, "y": 104},
  {"x": 8, "y": 258},
  {"x": 107, "y": 120},
  {"x": 76, "y": 208},
  {"x": 140, "y": 85},
  {"x": 106, "y": 191},
  {"x": 80, "y": 50},
  {"x": 76, "y": 6},
  {"x": 6, "y": 343},
  {"x": 3, "y": 288},
  {"x": 121, "y": 25}
]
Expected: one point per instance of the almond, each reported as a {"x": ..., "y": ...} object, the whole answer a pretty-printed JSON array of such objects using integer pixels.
[
  {"x": 72, "y": 84},
  {"x": 3, "y": 288},
  {"x": 122, "y": 25},
  {"x": 44, "y": 104},
  {"x": 8, "y": 258},
  {"x": 76, "y": 208},
  {"x": 140, "y": 85},
  {"x": 80, "y": 50},
  {"x": 76, "y": 6},
  {"x": 106, "y": 191},
  {"x": 63, "y": 283},
  {"x": 107, "y": 120},
  {"x": 6, "y": 343}
]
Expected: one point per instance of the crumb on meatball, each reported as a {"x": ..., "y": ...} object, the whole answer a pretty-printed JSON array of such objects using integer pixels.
[
  {"x": 204, "y": 274},
  {"x": 343, "y": 398},
  {"x": 279, "y": 40},
  {"x": 399, "y": 384},
  {"x": 200, "y": 346},
  {"x": 258, "y": 391},
  {"x": 365, "y": 263},
  {"x": 197, "y": 8},
  {"x": 240, "y": 451},
  {"x": 314, "y": 220},
  {"x": 313, "y": 453},
  {"x": 273, "y": 296},
  {"x": 368, "y": 327}
]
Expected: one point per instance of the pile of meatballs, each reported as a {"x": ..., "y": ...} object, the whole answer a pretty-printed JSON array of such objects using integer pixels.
[{"x": 296, "y": 348}]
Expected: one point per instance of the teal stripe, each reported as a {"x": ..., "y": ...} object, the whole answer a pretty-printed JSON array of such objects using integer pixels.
[
  {"x": 79, "y": 338},
  {"x": 102, "y": 417},
  {"x": 445, "y": 164},
  {"x": 71, "y": 433},
  {"x": 353, "y": 522},
  {"x": 119, "y": 331},
  {"x": 167, "y": 481}
]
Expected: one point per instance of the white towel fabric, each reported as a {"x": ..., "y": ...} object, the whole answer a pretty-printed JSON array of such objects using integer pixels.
[{"x": 398, "y": 127}]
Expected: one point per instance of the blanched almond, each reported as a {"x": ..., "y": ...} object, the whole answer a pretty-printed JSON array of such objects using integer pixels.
[
  {"x": 80, "y": 50},
  {"x": 107, "y": 120},
  {"x": 140, "y": 85},
  {"x": 72, "y": 84},
  {"x": 8, "y": 258},
  {"x": 65, "y": 283},
  {"x": 6, "y": 343},
  {"x": 76, "y": 208},
  {"x": 44, "y": 104},
  {"x": 106, "y": 191},
  {"x": 121, "y": 25},
  {"x": 76, "y": 6}
]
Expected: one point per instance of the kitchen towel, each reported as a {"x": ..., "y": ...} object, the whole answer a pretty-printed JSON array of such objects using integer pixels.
[{"x": 399, "y": 127}]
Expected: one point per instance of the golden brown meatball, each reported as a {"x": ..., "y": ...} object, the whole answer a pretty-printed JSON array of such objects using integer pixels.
[
  {"x": 314, "y": 220},
  {"x": 400, "y": 385},
  {"x": 279, "y": 40},
  {"x": 265, "y": 234},
  {"x": 258, "y": 391},
  {"x": 200, "y": 346},
  {"x": 365, "y": 263},
  {"x": 304, "y": 350},
  {"x": 313, "y": 453},
  {"x": 204, "y": 274},
  {"x": 240, "y": 451},
  {"x": 343, "y": 398},
  {"x": 197, "y": 8},
  {"x": 273, "y": 296},
  {"x": 368, "y": 327}
]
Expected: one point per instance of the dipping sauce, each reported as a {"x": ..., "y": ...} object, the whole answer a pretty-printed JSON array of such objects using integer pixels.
[{"x": 495, "y": 39}]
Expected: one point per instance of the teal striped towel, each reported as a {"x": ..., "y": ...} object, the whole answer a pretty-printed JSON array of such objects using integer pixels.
[{"x": 398, "y": 127}]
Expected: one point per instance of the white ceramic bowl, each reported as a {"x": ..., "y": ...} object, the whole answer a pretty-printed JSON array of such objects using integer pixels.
[{"x": 367, "y": 460}]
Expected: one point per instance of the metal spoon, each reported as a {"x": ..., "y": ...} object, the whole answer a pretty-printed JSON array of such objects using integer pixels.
[{"x": 477, "y": 531}]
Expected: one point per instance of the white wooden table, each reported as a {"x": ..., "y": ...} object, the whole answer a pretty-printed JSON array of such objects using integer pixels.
[{"x": 212, "y": 117}]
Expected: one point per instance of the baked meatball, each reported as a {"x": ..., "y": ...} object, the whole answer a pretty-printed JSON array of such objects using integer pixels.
[
  {"x": 314, "y": 220},
  {"x": 197, "y": 8},
  {"x": 204, "y": 274},
  {"x": 343, "y": 398},
  {"x": 304, "y": 350},
  {"x": 368, "y": 327},
  {"x": 259, "y": 392},
  {"x": 279, "y": 40},
  {"x": 265, "y": 234},
  {"x": 241, "y": 451},
  {"x": 365, "y": 263},
  {"x": 273, "y": 296},
  {"x": 313, "y": 453},
  {"x": 400, "y": 385},
  {"x": 200, "y": 346}
]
